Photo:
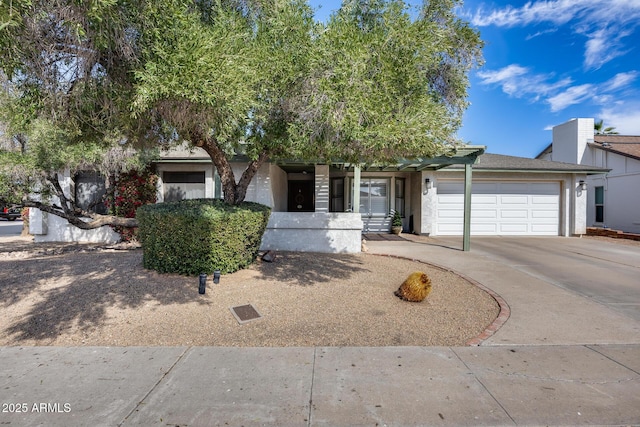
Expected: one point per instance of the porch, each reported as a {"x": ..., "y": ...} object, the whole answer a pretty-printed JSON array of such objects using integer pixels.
[{"x": 327, "y": 207}]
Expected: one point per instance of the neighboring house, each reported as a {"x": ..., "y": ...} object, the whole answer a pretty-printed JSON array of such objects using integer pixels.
[
  {"x": 313, "y": 204},
  {"x": 613, "y": 199}
]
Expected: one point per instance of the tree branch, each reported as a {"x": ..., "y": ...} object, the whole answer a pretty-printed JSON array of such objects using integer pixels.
[{"x": 96, "y": 221}]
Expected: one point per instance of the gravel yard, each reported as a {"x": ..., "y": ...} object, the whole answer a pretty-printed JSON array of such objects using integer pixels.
[{"x": 70, "y": 294}]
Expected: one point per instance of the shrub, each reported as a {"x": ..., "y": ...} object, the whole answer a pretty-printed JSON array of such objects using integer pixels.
[
  {"x": 199, "y": 236},
  {"x": 397, "y": 219},
  {"x": 132, "y": 190}
]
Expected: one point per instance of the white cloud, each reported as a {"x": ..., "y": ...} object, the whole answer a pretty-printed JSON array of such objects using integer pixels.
[
  {"x": 519, "y": 82},
  {"x": 541, "y": 33},
  {"x": 571, "y": 96},
  {"x": 558, "y": 12},
  {"x": 603, "y": 46},
  {"x": 625, "y": 118},
  {"x": 507, "y": 73},
  {"x": 605, "y": 23},
  {"x": 620, "y": 80}
]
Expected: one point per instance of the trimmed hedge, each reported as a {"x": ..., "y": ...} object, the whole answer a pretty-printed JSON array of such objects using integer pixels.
[{"x": 190, "y": 237}]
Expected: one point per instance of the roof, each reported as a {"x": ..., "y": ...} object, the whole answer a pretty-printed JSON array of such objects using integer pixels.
[
  {"x": 547, "y": 150},
  {"x": 625, "y": 145},
  {"x": 465, "y": 154},
  {"x": 503, "y": 163}
]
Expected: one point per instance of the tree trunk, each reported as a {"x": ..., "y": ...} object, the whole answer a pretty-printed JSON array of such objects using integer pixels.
[{"x": 234, "y": 192}]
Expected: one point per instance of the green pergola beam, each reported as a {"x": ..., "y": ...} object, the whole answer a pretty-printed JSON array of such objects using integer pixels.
[
  {"x": 356, "y": 191},
  {"x": 466, "y": 234}
]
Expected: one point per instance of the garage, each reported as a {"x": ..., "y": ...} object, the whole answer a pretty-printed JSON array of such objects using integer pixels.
[{"x": 500, "y": 208}]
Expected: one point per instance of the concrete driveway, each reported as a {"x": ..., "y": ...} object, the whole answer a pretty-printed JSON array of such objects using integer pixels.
[{"x": 607, "y": 272}]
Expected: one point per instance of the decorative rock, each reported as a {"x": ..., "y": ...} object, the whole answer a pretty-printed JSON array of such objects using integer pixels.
[
  {"x": 415, "y": 288},
  {"x": 269, "y": 256}
]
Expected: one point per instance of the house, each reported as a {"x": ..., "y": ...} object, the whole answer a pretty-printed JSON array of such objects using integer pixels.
[
  {"x": 313, "y": 204},
  {"x": 613, "y": 199},
  {"x": 316, "y": 207}
]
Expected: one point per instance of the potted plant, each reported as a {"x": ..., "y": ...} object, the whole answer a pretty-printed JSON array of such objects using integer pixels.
[{"x": 396, "y": 223}]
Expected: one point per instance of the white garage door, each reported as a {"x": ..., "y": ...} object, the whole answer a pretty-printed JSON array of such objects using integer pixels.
[{"x": 500, "y": 208}]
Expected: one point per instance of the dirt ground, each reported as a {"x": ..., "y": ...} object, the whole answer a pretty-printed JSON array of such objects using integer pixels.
[{"x": 73, "y": 294}]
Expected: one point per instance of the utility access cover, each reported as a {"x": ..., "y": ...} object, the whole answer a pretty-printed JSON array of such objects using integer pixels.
[{"x": 245, "y": 313}]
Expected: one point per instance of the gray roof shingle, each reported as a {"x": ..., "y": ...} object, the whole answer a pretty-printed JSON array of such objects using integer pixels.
[{"x": 503, "y": 163}]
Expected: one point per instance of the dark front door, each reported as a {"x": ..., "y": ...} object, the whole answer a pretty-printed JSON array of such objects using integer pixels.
[{"x": 301, "y": 196}]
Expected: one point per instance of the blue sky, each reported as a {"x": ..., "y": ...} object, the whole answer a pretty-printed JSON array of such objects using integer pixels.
[{"x": 547, "y": 62}]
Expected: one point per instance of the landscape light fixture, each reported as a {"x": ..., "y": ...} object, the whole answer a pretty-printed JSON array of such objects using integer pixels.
[
  {"x": 216, "y": 276},
  {"x": 203, "y": 283}
]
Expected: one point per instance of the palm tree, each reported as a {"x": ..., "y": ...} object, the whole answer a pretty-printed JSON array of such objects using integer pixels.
[{"x": 599, "y": 129}]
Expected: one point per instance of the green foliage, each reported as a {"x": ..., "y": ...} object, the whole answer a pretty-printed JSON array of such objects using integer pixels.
[
  {"x": 199, "y": 236},
  {"x": 70, "y": 62},
  {"x": 397, "y": 219},
  {"x": 17, "y": 176},
  {"x": 384, "y": 85},
  {"x": 133, "y": 189},
  {"x": 600, "y": 129},
  {"x": 224, "y": 70},
  {"x": 253, "y": 77}
]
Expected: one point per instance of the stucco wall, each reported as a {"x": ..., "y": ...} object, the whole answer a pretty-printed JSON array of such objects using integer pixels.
[
  {"x": 621, "y": 201},
  {"x": 259, "y": 189},
  {"x": 278, "y": 188},
  {"x": 313, "y": 232},
  {"x": 50, "y": 228},
  {"x": 621, "y": 195},
  {"x": 428, "y": 202}
]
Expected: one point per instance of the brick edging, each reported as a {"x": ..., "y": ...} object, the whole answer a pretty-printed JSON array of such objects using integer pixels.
[
  {"x": 503, "y": 315},
  {"x": 616, "y": 234}
]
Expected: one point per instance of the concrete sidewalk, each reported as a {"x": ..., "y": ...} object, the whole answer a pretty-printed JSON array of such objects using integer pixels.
[
  {"x": 558, "y": 360},
  {"x": 395, "y": 386}
]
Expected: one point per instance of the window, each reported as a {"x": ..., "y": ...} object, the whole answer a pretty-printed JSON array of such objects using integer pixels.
[
  {"x": 337, "y": 195},
  {"x": 90, "y": 190},
  {"x": 183, "y": 185},
  {"x": 400, "y": 196},
  {"x": 374, "y": 196},
  {"x": 599, "y": 204}
]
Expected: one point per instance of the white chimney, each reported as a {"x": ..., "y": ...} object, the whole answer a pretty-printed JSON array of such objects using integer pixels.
[{"x": 570, "y": 140}]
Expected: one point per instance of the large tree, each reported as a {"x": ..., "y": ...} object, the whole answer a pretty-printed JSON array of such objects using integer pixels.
[
  {"x": 375, "y": 83},
  {"x": 66, "y": 83},
  {"x": 386, "y": 82},
  {"x": 258, "y": 78},
  {"x": 223, "y": 74}
]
